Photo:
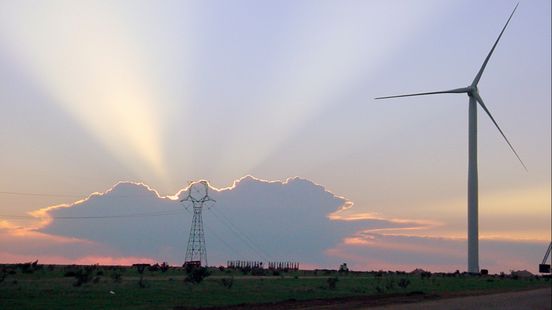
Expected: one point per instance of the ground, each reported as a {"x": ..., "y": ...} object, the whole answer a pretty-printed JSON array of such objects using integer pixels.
[{"x": 27, "y": 286}]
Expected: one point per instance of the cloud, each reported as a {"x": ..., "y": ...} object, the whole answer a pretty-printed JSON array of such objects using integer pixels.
[
  {"x": 252, "y": 219},
  {"x": 293, "y": 220},
  {"x": 376, "y": 249},
  {"x": 22, "y": 244}
]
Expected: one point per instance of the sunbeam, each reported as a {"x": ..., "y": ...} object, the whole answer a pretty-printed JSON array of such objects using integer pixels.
[
  {"x": 87, "y": 57},
  {"x": 326, "y": 54}
]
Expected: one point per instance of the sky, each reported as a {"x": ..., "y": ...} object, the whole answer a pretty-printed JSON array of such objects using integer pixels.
[{"x": 164, "y": 92}]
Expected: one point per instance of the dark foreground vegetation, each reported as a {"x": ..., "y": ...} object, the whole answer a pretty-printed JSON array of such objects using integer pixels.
[{"x": 35, "y": 286}]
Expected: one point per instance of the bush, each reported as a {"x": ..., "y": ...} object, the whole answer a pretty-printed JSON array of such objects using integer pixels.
[
  {"x": 227, "y": 282},
  {"x": 3, "y": 275},
  {"x": 117, "y": 277},
  {"x": 140, "y": 268},
  {"x": 258, "y": 272},
  {"x": 83, "y": 276},
  {"x": 332, "y": 283},
  {"x": 245, "y": 270},
  {"x": 188, "y": 268},
  {"x": 390, "y": 284},
  {"x": 28, "y": 267},
  {"x": 403, "y": 283},
  {"x": 343, "y": 268},
  {"x": 197, "y": 275},
  {"x": 70, "y": 273}
]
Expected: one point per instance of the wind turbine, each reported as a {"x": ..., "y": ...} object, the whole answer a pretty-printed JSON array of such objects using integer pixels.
[{"x": 474, "y": 98}]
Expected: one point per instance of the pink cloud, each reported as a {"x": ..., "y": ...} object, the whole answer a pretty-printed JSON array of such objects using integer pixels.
[{"x": 375, "y": 251}]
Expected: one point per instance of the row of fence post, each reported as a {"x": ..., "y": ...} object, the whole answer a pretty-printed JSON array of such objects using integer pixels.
[{"x": 259, "y": 264}]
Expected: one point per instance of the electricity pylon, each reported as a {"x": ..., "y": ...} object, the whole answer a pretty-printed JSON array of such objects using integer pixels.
[{"x": 196, "y": 252}]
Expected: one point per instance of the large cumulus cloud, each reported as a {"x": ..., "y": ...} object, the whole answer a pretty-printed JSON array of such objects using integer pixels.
[{"x": 253, "y": 219}]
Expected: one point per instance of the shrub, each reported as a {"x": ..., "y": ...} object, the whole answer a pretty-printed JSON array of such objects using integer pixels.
[
  {"x": 70, "y": 273},
  {"x": 425, "y": 274},
  {"x": 245, "y": 270},
  {"x": 332, "y": 283},
  {"x": 403, "y": 283},
  {"x": 390, "y": 284},
  {"x": 227, "y": 282},
  {"x": 197, "y": 275},
  {"x": 3, "y": 275},
  {"x": 117, "y": 277},
  {"x": 189, "y": 268},
  {"x": 258, "y": 272},
  {"x": 26, "y": 267},
  {"x": 83, "y": 275},
  {"x": 343, "y": 268},
  {"x": 141, "y": 268}
]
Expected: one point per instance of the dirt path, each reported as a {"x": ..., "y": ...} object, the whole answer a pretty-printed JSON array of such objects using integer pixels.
[
  {"x": 537, "y": 299},
  {"x": 533, "y": 299}
]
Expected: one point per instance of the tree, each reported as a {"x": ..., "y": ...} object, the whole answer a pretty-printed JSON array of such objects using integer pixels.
[{"x": 343, "y": 268}]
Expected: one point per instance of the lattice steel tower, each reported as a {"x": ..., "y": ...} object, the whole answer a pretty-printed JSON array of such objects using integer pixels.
[{"x": 198, "y": 195}]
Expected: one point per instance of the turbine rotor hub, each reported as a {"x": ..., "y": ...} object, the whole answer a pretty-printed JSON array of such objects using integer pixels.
[{"x": 472, "y": 90}]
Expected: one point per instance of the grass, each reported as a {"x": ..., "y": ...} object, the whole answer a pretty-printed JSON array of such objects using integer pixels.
[{"x": 47, "y": 287}]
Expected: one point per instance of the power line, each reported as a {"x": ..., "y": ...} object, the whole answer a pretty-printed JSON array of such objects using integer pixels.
[
  {"x": 234, "y": 229},
  {"x": 131, "y": 215},
  {"x": 39, "y": 194},
  {"x": 71, "y": 195}
]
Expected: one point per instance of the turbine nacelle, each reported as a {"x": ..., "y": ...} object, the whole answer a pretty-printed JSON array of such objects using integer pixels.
[{"x": 472, "y": 91}]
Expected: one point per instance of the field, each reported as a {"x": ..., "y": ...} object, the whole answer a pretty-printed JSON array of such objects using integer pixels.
[{"x": 28, "y": 286}]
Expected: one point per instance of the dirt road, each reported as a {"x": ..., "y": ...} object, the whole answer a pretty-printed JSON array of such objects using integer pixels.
[{"x": 533, "y": 299}]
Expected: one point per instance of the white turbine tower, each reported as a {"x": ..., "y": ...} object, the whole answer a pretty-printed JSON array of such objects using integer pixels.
[{"x": 474, "y": 98}]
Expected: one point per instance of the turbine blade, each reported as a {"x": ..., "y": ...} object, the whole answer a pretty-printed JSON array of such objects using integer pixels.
[
  {"x": 451, "y": 91},
  {"x": 478, "y": 98},
  {"x": 480, "y": 73}
]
